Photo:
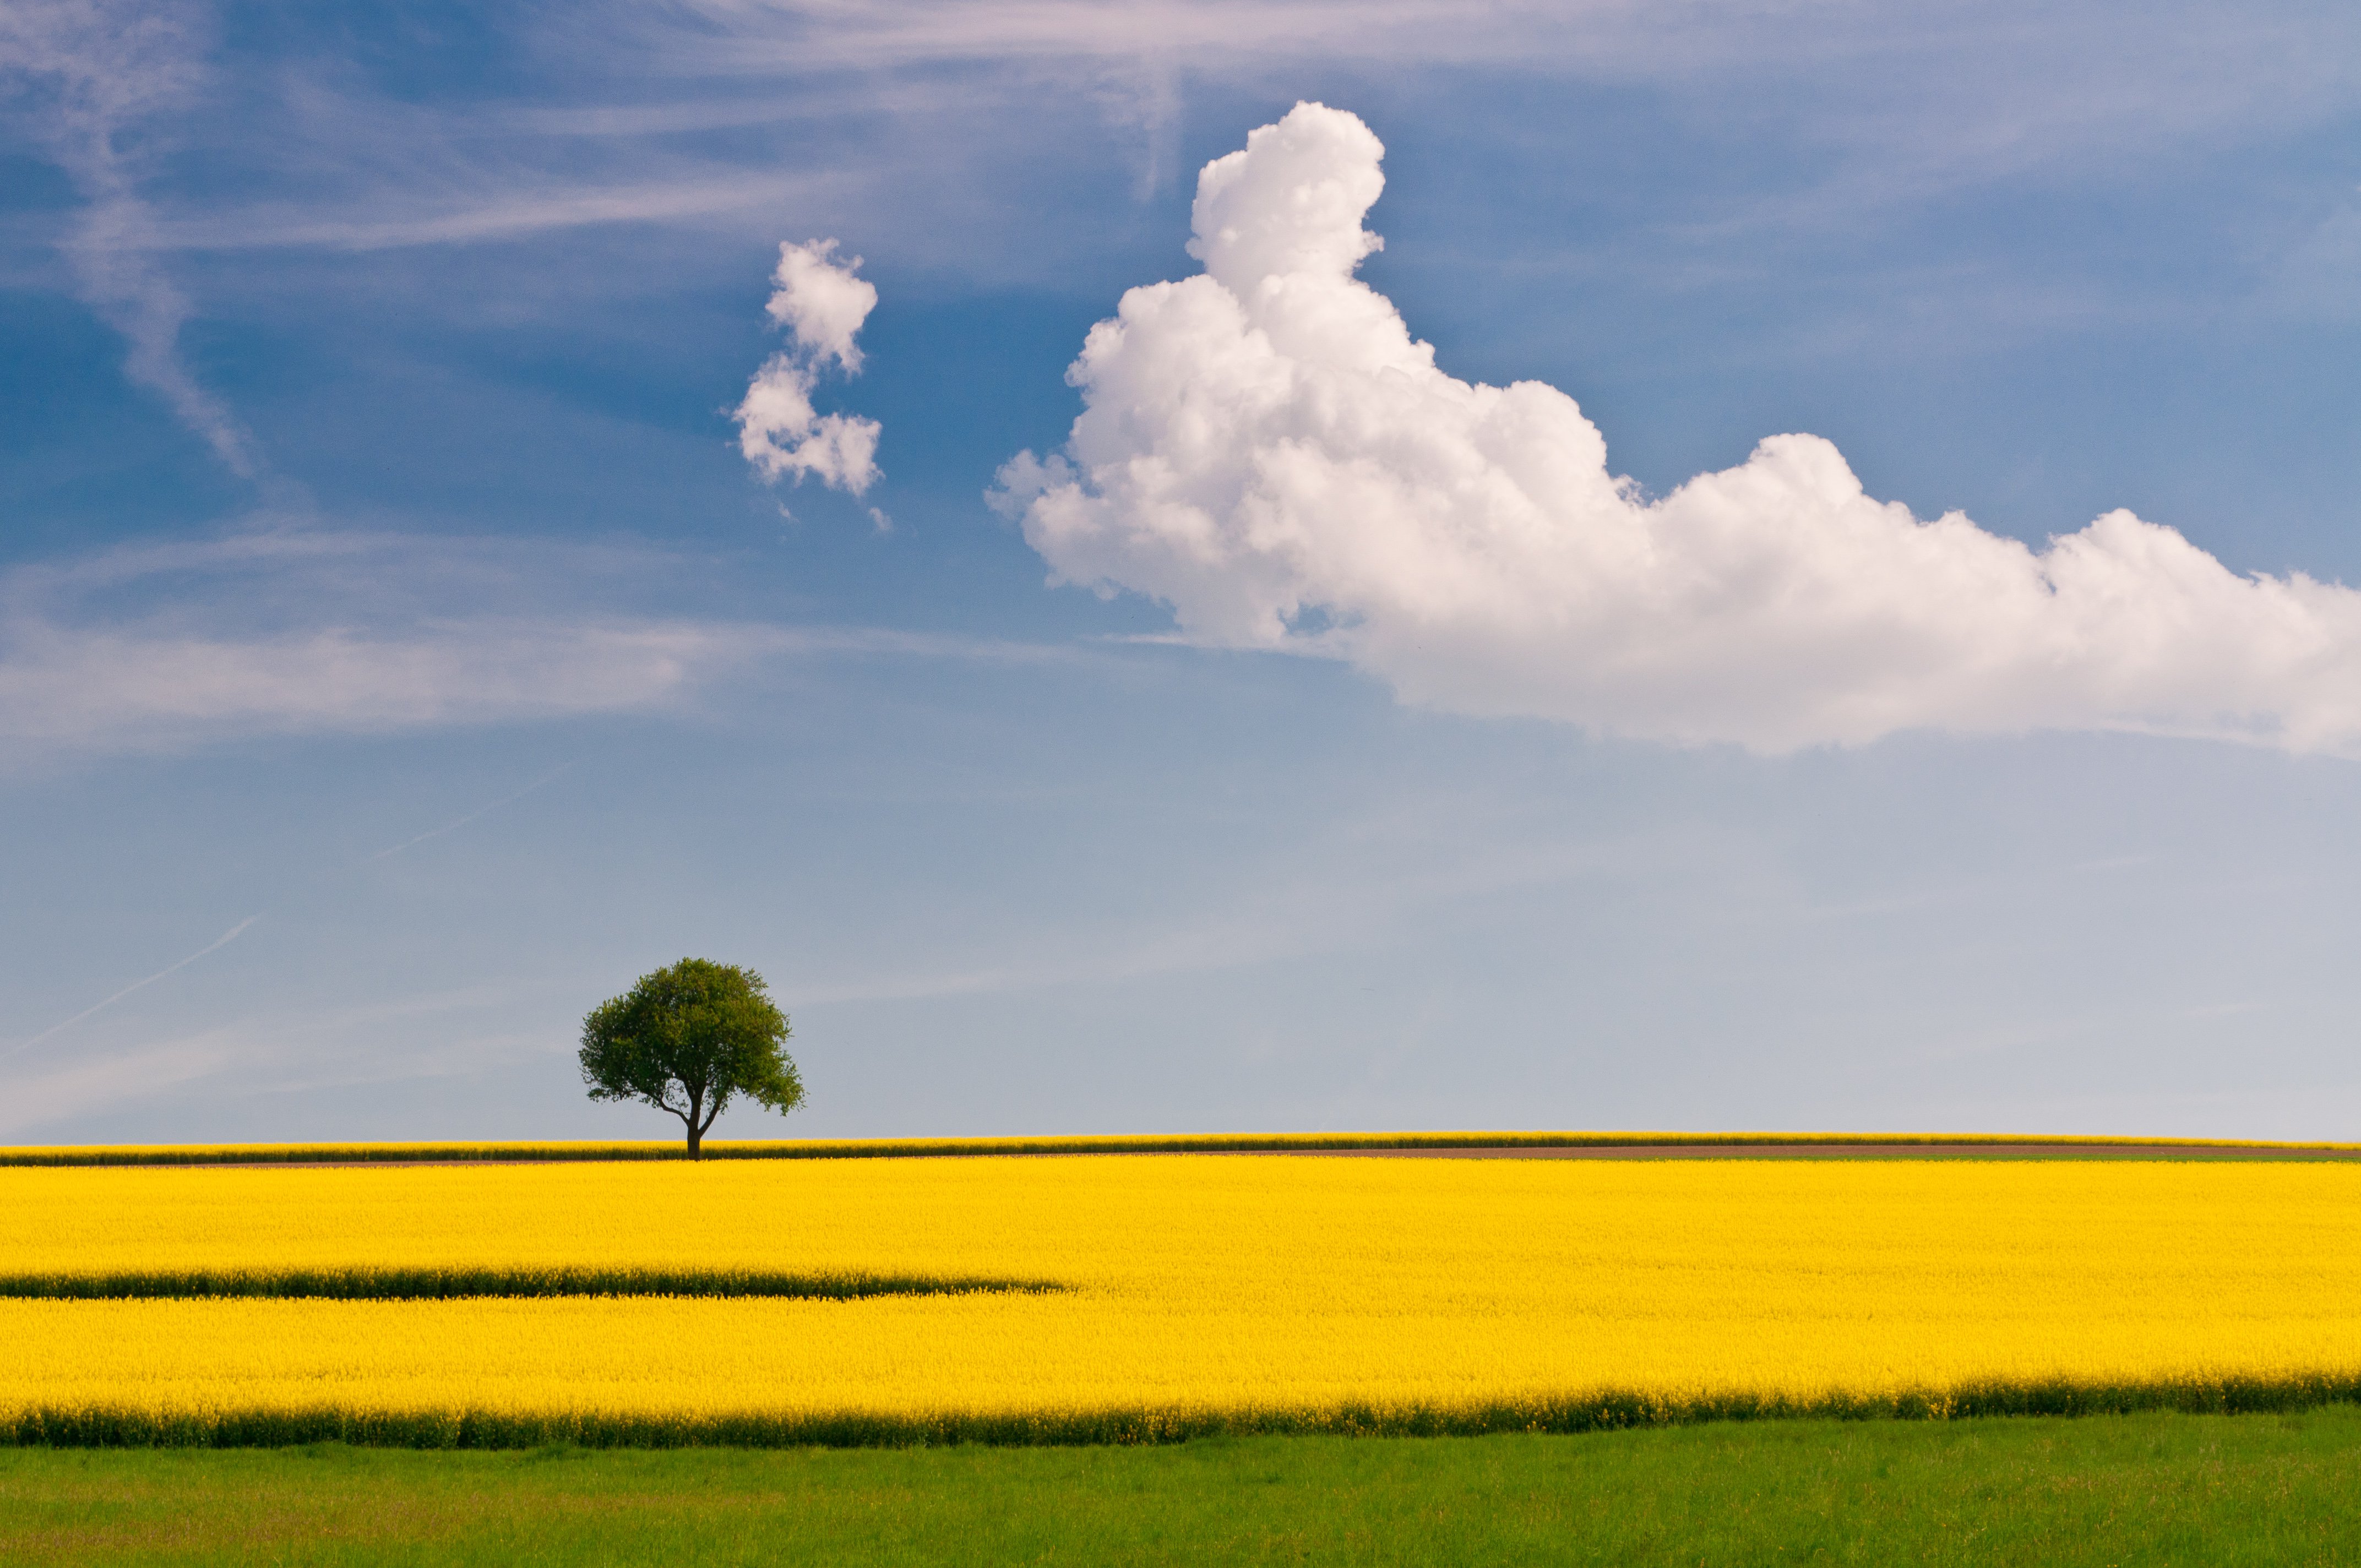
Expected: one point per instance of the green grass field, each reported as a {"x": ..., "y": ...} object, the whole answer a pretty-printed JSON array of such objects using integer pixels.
[{"x": 2106, "y": 1490}]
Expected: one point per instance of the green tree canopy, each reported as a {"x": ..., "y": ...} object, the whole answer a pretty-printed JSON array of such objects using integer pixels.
[{"x": 689, "y": 1039}]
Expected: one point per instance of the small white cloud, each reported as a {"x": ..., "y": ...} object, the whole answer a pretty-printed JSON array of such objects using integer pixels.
[
  {"x": 821, "y": 302},
  {"x": 822, "y": 306},
  {"x": 1265, "y": 448},
  {"x": 781, "y": 434}
]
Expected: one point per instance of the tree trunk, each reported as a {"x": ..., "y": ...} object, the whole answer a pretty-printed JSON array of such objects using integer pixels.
[{"x": 696, "y": 1133}]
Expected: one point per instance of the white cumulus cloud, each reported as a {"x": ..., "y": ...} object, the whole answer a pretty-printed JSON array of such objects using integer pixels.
[
  {"x": 821, "y": 303},
  {"x": 1265, "y": 448}
]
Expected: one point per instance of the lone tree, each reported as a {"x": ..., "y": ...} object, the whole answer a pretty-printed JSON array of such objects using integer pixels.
[{"x": 689, "y": 1039}]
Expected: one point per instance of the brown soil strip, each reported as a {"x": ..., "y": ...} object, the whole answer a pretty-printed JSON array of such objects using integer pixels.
[
  {"x": 1829, "y": 1151},
  {"x": 1515, "y": 1151},
  {"x": 341, "y": 1164}
]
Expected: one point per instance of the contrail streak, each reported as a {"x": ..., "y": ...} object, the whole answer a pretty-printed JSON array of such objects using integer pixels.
[
  {"x": 224, "y": 941},
  {"x": 480, "y": 811}
]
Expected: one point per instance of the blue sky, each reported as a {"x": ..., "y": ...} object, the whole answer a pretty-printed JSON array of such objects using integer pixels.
[{"x": 379, "y": 567}]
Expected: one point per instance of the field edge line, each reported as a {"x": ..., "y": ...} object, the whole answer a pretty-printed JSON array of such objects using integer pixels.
[{"x": 130, "y": 1426}]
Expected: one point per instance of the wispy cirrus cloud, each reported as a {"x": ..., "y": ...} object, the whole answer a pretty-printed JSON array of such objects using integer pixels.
[
  {"x": 309, "y": 630},
  {"x": 1949, "y": 74},
  {"x": 216, "y": 945},
  {"x": 96, "y": 79},
  {"x": 314, "y": 632},
  {"x": 91, "y": 1081},
  {"x": 279, "y": 1052},
  {"x": 490, "y": 219},
  {"x": 141, "y": 687},
  {"x": 742, "y": 116}
]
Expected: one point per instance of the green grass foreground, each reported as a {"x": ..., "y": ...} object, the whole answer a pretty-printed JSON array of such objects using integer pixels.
[{"x": 2112, "y": 1490}]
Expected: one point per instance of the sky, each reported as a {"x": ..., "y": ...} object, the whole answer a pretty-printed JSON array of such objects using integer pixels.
[{"x": 1183, "y": 567}]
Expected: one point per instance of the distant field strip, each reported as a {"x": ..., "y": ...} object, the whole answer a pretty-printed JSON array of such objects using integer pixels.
[
  {"x": 1196, "y": 1296},
  {"x": 369, "y": 1283},
  {"x": 1209, "y": 1143}
]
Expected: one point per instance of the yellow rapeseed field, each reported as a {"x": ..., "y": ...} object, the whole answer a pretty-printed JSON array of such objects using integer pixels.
[{"x": 1193, "y": 1293}]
